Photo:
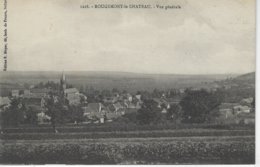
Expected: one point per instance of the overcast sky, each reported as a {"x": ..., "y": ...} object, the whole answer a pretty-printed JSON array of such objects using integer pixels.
[{"x": 203, "y": 37}]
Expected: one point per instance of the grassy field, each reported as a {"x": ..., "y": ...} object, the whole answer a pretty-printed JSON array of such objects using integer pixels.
[{"x": 161, "y": 146}]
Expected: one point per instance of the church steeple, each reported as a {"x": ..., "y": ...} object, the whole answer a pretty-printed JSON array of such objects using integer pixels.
[{"x": 63, "y": 82}]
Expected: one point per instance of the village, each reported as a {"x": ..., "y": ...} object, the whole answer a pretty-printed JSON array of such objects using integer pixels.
[{"x": 110, "y": 107}]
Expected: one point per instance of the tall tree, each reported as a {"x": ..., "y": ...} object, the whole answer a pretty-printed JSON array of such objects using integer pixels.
[
  {"x": 56, "y": 110},
  {"x": 31, "y": 116},
  {"x": 174, "y": 112},
  {"x": 148, "y": 113},
  {"x": 197, "y": 105},
  {"x": 76, "y": 114}
]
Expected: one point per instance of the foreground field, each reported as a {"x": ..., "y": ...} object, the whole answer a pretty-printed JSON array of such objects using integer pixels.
[
  {"x": 171, "y": 150},
  {"x": 112, "y": 144}
]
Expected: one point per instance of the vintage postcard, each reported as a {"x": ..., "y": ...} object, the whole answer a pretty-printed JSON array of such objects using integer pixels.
[{"x": 127, "y": 82}]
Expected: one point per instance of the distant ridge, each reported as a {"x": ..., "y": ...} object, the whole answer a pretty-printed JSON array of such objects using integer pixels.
[
  {"x": 102, "y": 80},
  {"x": 246, "y": 77}
]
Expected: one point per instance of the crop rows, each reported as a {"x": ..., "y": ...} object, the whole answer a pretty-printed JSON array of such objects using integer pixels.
[{"x": 146, "y": 152}]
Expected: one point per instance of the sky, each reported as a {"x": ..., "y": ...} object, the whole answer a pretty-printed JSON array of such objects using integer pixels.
[{"x": 203, "y": 37}]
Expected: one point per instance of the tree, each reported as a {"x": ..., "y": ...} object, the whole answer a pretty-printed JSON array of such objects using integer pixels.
[
  {"x": 76, "y": 114},
  {"x": 31, "y": 116},
  {"x": 14, "y": 115},
  {"x": 56, "y": 110},
  {"x": 197, "y": 105},
  {"x": 174, "y": 112},
  {"x": 148, "y": 113}
]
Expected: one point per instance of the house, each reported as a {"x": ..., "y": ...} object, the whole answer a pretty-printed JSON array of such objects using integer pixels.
[
  {"x": 241, "y": 109},
  {"x": 129, "y": 97},
  {"x": 94, "y": 111},
  {"x": 138, "y": 96},
  {"x": 174, "y": 100},
  {"x": 26, "y": 92},
  {"x": 115, "y": 110},
  {"x": 4, "y": 102},
  {"x": 72, "y": 95},
  {"x": 247, "y": 101},
  {"x": 15, "y": 93},
  {"x": 118, "y": 106},
  {"x": 129, "y": 104},
  {"x": 42, "y": 118},
  {"x": 111, "y": 99},
  {"x": 234, "y": 113},
  {"x": 93, "y": 107},
  {"x": 36, "y": 93},
  {"x": 162, "y": 103},
  {"x": 182, "y": 90},
  {"x": 249, "y": 121},
  {"x": 40, "y": 92},
  {"x": 110, "y": 115},
  {"x": 246, "y": 118},
  {"x": 227, "y": 109}
]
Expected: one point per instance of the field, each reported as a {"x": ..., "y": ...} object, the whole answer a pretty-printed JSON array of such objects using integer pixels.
[{"x": 128, "y": 146}]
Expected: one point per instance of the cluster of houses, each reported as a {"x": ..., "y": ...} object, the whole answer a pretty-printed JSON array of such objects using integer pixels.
[
  {"x": 117, "y": 104},
  {"x": 111, "y": 107},
  {"x": 241, "y": 112}
]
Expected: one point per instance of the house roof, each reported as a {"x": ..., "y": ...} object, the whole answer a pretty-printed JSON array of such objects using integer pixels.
[
  {"x": 173, "y": 99},
  {"x": 71, "y": 90},
  {"x": 93, "y": 107},
  {"x": 36, "y": 108},
  {"x": 118, "y": 105},
  {"x": 36, "y": 96},
  {"x": 227, "y": 105},
  {"x": 247, "y": 100},
  {"x": 157, "y": 100},
  {"x": 4, "y": 101},
  {"x": 40, "y": 90},
  {"x": 242, "y": 107}
]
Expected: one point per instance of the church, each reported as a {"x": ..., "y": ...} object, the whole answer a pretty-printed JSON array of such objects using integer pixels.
[{"x": 71, "y": 95}]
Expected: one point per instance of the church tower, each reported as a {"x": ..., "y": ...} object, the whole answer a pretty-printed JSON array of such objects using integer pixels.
[{"x": 62, "y": 83}]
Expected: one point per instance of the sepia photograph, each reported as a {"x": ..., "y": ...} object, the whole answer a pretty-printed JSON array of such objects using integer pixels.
[{"x": 127, "y": 82}]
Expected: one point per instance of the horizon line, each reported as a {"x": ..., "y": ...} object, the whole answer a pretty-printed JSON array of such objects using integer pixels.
[{"x": 145, "y": 73}]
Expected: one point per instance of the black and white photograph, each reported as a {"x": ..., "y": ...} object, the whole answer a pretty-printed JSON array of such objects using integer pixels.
[{"x": 128, "y": 82}]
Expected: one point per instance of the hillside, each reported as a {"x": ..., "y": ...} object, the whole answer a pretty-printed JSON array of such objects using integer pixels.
[{"x": 249, "y": 77}]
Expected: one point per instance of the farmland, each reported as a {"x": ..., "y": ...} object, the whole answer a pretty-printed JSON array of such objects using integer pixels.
[{"x": 164, "y": 146}]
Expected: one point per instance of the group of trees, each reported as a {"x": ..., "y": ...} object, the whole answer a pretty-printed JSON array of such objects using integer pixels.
[
  {"x": 18, "y": 113},
  {"x": 59, "y": 112},
  {"x": 195, "y": 107}
]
